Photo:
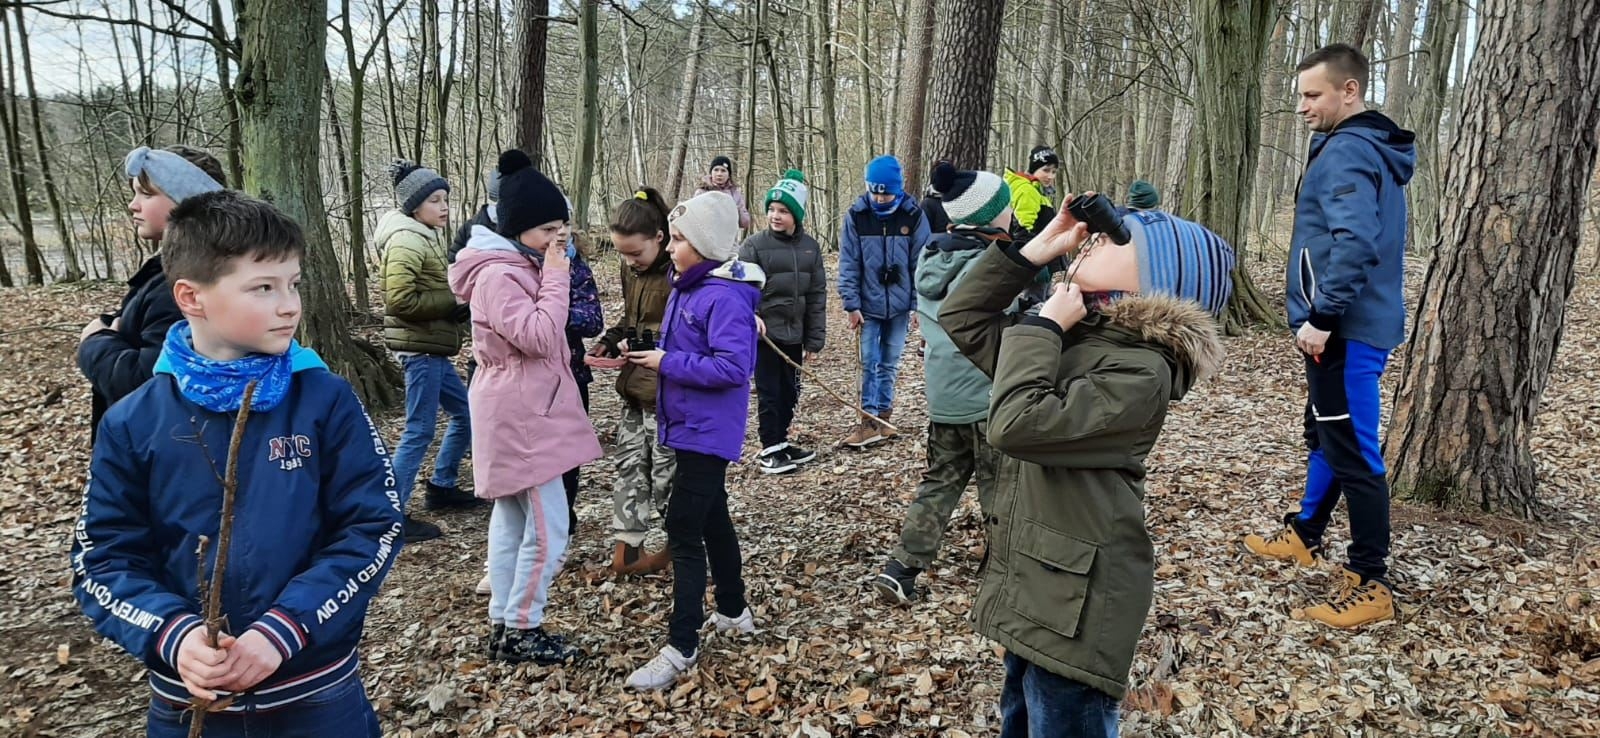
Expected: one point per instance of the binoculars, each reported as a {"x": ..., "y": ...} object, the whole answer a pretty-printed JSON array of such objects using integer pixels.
[
  {"x": 1096, "y": 212},
  {"x": 888, "y": 275},
  {"x": 637, "y": 341}
]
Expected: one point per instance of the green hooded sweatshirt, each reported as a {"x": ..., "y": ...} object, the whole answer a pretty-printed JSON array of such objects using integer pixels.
[
  {"x": 958, "y": 393},
  {"x": 1068, "y": 580}
]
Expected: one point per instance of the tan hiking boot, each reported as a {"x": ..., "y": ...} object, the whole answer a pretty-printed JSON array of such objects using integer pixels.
[
  {"x": 866, "y": 433},
  {"x": 883, "y": 429},
  {"x": 1362, "y": 604},
  {"x": 1285, "y": 546},
  {"x": 627, "y": 560}
]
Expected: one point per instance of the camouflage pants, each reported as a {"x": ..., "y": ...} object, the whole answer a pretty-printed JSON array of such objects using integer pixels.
[
  {"x": 644, "y": 476},
  {"x": 956, "y": 454}
]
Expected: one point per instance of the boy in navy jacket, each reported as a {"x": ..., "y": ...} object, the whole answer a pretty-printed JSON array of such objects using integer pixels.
[{"x": 316, "y": 515}]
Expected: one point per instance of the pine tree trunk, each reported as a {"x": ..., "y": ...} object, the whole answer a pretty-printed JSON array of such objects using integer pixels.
[
  {"x": 533, "y": 34},
  {"x": 1494, "y": 305},
  {"x": 588, "y": 110},
  {"x": 281, "y": 148},
  {"x": 963, "y": 93},
  {"x": 914, "y": 97},
  {"x": 1232, "y": 38},
  {"x": 686, "y": 100},
  {"x": 863, "y": 56},
  {"x": 64, "y": 230}
]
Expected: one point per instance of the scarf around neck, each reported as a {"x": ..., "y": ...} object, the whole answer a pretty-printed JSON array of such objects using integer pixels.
[{"x": 218, "y": 386}]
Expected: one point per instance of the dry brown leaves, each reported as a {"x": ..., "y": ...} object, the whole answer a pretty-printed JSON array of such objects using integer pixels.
[{"x": 1499, "y": 633}]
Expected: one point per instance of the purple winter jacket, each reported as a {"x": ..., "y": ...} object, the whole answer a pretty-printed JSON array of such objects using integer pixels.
[{"x": 709, "y": 335}]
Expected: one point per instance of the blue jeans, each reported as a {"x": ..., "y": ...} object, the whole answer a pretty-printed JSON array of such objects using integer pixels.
[
  {"x": 432, "y": 384},
  {"x": 1041, "y": 704},
  {"x": 881, "y": 344},
  {"x": 341, "y": 710}
]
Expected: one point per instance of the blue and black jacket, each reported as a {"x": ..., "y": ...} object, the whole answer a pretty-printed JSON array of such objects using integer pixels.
[
  {"x": 873, "y": 248},
  {"x": 1346, "y": 271},
  {"x": 316, "y": 528}
]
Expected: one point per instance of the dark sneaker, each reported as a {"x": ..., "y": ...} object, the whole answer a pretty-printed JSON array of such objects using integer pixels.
[
  {"x": 897, "y": 583},
  {"x": 416, "y": 531},
  {"x": 799, "y": 455},
  {"x": 442, "y": 498},
  {"x": 775, "y": 460},
  {"x": 544, "y": 649}
]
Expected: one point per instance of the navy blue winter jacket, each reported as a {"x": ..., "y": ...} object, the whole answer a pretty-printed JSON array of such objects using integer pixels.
[
  {"x": 316, "y": 528},
  {"x": 867, "y": 245},
  {"x": 116, "y": 361},
  {"x": 1346, "y": 271}
]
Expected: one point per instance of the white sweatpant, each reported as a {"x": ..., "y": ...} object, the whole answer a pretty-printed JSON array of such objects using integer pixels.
[{"x": 527, "y": 546}]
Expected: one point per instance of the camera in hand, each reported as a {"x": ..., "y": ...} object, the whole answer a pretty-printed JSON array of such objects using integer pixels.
[
  {"x": 1096, "y": 211},
  {"x": 888, "y": 275}
]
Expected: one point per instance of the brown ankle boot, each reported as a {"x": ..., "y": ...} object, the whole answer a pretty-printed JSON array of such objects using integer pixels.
[
  {"x": 883, "y": 429},
  {"x": 627, "y": 560}
]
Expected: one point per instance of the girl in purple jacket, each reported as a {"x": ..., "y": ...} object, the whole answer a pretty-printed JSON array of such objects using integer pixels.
[{"x": 704, "y": 362}]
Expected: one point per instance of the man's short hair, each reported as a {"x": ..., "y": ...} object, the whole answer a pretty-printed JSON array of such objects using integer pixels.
[
  {"x": 1344, "y": 62},
  {"x": 207, "y": 231}
]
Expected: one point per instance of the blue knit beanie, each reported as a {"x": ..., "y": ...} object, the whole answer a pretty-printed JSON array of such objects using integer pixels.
[
  {"x": 1181, "y": 259},
  {"x": 883, "y": 176}
]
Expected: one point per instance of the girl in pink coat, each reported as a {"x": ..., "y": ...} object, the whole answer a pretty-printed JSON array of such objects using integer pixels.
[{"x": 528, "y": 422}]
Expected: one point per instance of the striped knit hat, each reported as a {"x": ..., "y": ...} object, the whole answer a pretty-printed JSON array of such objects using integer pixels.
[
  {"x": 792, "y": 192},
  {"x": 970, "y": 198},
  {"x": 413, "y": 184},
  {"x": 1181, "y": 259}
]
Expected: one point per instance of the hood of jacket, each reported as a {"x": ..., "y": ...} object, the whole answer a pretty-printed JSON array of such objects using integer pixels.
[
  {"x": 1395, "y": 145},
  {"x": 1183, "y": 329},
  {"x": 943, "y": 261},
  {"x": 394, "y": 222},
  {"x": 484, "y": 248}
]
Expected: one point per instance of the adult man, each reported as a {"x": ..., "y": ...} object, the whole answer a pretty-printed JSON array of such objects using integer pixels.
[{"x": 1346, "y": 307}]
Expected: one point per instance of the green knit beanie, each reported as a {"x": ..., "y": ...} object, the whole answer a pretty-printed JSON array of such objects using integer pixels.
[
  {"x": 1142, "y": 195},
  {"x": 792, "y": 192}
]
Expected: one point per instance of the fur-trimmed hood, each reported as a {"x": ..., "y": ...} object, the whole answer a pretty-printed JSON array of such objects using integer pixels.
[{"x": 1182, "y": 327}]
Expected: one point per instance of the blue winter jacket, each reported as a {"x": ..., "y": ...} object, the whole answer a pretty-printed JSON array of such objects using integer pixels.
[
  {"x": 867, "y": 245},
  {"x": 316, "y": 527},
  {"x": 1346, "y": 271}
]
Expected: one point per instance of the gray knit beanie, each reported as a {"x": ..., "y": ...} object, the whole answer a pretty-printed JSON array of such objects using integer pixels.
[{"x": 413, "y": 184}]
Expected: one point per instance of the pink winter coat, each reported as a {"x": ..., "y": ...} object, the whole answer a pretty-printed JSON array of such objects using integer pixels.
[
  {"x": 528, "y": 422},
  {"x": 733, "y": 191}
]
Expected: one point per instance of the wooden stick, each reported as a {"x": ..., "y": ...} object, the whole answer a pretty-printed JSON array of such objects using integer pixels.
[
  {"x": 213, "y": 590},
  {"x": 825, "y": 387}
]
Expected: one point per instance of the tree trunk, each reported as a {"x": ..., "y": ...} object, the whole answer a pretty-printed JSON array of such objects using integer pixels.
[
  {"x": 533, "y": 36},
  {"x": 1494, "y": 305},
  {"x": 632, "y": 107},
  {"x": 830, "y": 111},
  {"x": 64, "y": 230},
  {"x": 588, "y": 110},
  {"x": 1438, "y": 42},
  {"x": 1397, "y": 83},
  {"x": 963, "y": 96},
  {"x": 863, "y": 51},
  {"x": 686, "y": 99},
  {"x": 10, "y": 124},
  {"x": 1358, "y": 25},
  {"x": 780, "y": 134},
  {"x": 357, "y": 183},
  {"x": 914, "y": 97},
  {"x": 1275, "y": 94},
  {"x": 1232, "y": 38},
  {"x": 281, "y": 146}
]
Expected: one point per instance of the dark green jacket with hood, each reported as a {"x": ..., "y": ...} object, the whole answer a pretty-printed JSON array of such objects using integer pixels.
[{"x": 1068, "y": 579}]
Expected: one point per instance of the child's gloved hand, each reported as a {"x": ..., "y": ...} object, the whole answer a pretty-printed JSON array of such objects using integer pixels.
[{"x": 1065, "y": 306}]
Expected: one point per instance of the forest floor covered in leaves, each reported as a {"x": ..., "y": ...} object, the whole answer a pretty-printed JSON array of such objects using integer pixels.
[{"x": 1499, "y": 632}]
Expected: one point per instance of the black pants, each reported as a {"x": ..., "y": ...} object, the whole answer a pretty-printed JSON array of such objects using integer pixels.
[
  {"x": 777, "y": 392},
  {"x": 698, "y": 528},
  {"x": 570, "y": 479},
  {"x": 1346, "y": 459}
]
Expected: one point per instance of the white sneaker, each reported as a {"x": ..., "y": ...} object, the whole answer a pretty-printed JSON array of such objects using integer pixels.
[
  {"x": 662, "y": 670},
  {"x": 745, "y": 624}
]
